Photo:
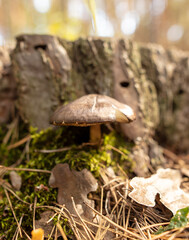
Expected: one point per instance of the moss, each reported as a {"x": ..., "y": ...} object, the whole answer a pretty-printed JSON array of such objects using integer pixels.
[{"x": 78, "y": 157}]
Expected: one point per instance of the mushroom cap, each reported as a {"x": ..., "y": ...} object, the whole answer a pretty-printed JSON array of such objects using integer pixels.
[{"x": 92, "y": 109}]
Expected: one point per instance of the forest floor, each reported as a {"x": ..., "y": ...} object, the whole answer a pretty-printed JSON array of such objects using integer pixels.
[{"x": 30, "y": 199}]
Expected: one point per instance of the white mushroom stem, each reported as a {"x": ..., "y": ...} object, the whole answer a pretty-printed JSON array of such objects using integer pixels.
[{"x": 95, "y": 133}]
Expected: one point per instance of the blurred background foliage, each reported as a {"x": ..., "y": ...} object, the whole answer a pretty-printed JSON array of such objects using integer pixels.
[{"x": 158, "y": 21}]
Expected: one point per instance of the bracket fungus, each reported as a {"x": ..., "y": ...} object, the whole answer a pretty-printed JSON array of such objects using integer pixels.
[{"x": 93, "y": 110}]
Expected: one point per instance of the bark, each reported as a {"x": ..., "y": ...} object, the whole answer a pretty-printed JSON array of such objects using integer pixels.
[
  {"x": 168, "y": 70},
  {"x": 49, "y": 71},
  {"x": 7, "y": 87}
]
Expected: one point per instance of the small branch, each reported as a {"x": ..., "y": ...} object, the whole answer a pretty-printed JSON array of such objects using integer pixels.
[
  {"x": 20, "y": 142},
  {"x": 53, "y": 150},
  {"x": 88, "y": 232},
  {"x": 23, "y": 169},
  {"x": 34, "y": 209},
  {"x": 115, "y": 224},
  {"x": 10, "y": 204}
]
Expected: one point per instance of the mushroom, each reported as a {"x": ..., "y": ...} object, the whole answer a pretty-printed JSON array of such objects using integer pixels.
[{"x": 93, "y": 110}]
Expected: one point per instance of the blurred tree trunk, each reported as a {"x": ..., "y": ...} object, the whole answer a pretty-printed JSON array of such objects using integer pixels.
[
  {"x": 49, "y": 71},
  {"x": 7, "y": 87}
]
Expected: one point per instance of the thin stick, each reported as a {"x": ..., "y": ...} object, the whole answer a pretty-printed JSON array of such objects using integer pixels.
[
  {"x": 7, "y": 195},
  {"x": 101, "y": 199},
  {"x": 84, "y": 224},
  {"x": 24, "y": 169},
  {"x": 101, "y": 207},
  {"x": 114, "y": 224},
  {"x": 148, "y": 231},
  {"x": 20, "y": 222},
  {"x": 65, "y": 148},
  {"x": 69, "y": 217},
  {"x": 61, "y": 231},
  {"x": 139, "y": 229},
  {"x": 128, "y": 216},
  {"x": 112, "y": 181},
  {"x": 10, "y": 190},
  {"x": 154, "y": 225},
  {"x": 34, "y": 209},
  {"x": 117, "y": 150},
  {"x": 51, "y": 232},
  {"x": 170, "y": 155},
  {"x": 162, "y": 234},
  {"x": 18, "y": 162},
  {"x": 124, "y": 202},
  {"x": 52, "y": 218},
  {"x": 104, "y": 228},
  {"x": 10, "y": 131},
  {"x": 61, "y": 211},
  {"x": 26, "y": 234},
  {"x": 20, "y": 142},
  {"x": 53, "y": 150}
]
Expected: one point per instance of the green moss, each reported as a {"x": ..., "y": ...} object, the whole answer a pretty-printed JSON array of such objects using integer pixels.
[{"x": 77, "y": 156}]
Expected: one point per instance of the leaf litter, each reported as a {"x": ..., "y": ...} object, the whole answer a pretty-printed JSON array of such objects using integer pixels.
[
  {"x": 166, "y": 183},
  {"x": 71, "y": 183},
  {"x": 119, "y": 216}
]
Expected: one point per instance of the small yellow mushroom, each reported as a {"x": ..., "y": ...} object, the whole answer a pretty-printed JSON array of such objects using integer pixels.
[{"x": 38, "y": 234}]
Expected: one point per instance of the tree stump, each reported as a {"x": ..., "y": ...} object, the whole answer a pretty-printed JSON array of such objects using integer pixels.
[{"x": 47, "y": 71}]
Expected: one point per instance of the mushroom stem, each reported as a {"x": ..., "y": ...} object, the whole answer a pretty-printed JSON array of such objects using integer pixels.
[{"x": 95, "y": 133}]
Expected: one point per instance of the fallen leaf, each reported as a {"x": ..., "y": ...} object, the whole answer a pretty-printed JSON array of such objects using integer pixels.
[
  {"x": 71, "y": 183},
  {"x": 45, "y": 224},
  {"x": 16, "y": 180},
  {"x": 166, "y": 183},
  {"x": 179, "y": 220}
]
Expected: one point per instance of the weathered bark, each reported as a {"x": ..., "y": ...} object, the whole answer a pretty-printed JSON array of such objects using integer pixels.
[
  {"x": 168, "y": 70},
  {"x": 7, "y": 87},
  {"x": 50, "y": 71},
  {"x": 41, "y": 66}
]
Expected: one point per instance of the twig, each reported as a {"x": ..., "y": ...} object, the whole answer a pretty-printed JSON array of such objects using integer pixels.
[
  {"x": 24, "y": 169},
  {"x": 88, "y": 232},
  {"x": 159, "y": 236},
  {"x": 17, "y": 230},
  {"x": 154, "y": 225},
  {"x": 139, "y": 229},
  {"x": 18, "y": 162},
  {"x": 53, "y": 150},
  {"x": 170, "y": 155},
  {"x": 116, "y": 150},
  {"x": 20, "y": 142},
  {"x": 10, "y": 190},
  {"x": 148, "y": 230},
  {"x": 10, "y": 131},
  {"x": 114, "y": 224},
  {"x": 51, "y": 233},
  {"x": 61, "y": 211},
  {"x": 34, "y": 209},
  {"x": 7, "y": 195},
  {"x": 26, "y": 234},
  {"x": 128, "y": 216},
  {"x": 61, "y": 231},
  {"x": 65, "y": 148},
  {"x": 52, "y": 218}
]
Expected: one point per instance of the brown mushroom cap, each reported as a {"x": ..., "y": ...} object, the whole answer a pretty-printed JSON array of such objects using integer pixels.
[{"x": 92, "y": 109}]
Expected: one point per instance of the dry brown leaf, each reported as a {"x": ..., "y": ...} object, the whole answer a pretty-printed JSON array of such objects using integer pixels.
[
  {"x": 71, "y": 183},
  {"x": 45, "y": 224},
  {"x": 166, "y": 182}
]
